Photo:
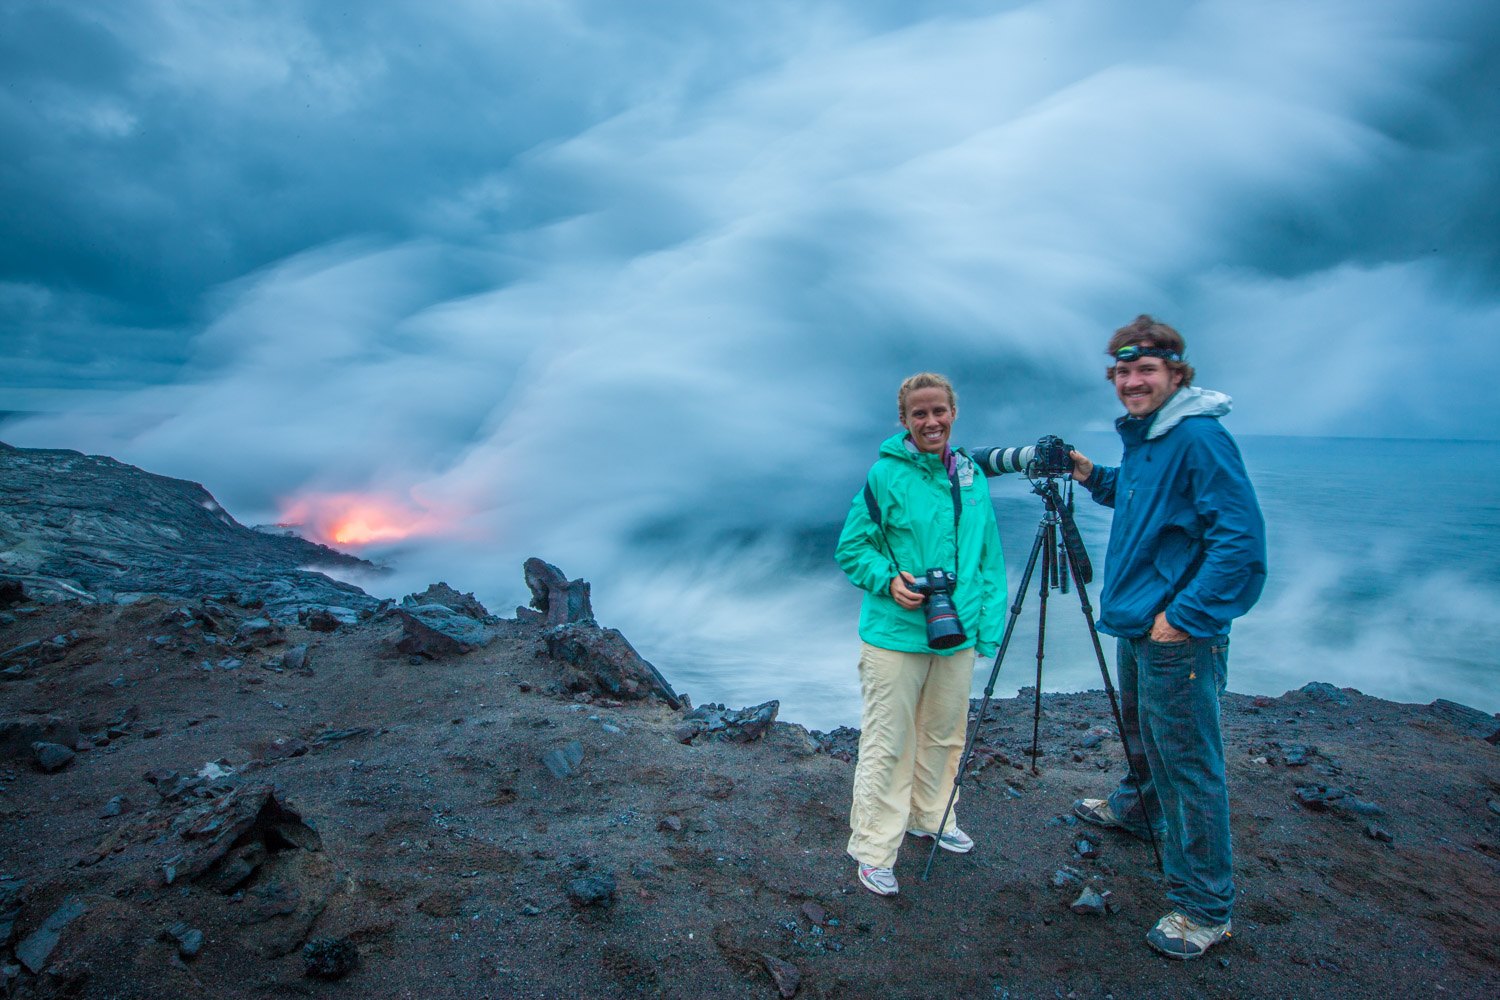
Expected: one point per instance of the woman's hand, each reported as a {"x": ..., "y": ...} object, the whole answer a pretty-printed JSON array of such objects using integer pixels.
[
  {"x": 903, "y": 595},
  {"x": 1082, "y": 467}
]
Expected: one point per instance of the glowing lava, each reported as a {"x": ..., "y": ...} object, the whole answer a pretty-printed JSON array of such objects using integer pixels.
[{"x": 357, "y": 519}]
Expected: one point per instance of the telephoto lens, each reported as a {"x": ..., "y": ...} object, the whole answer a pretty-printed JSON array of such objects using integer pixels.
[{"x": 998, "y": 461}]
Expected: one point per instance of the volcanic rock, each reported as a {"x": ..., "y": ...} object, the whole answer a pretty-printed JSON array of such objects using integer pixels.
[
  {"x": 322, "y": 620},
  {"x": 17, "y": 736},
  {"x": 1324, "y": 692},
  {"x": 11, "y": 592},
  {"x": 723, "y": 726},
  {"x": 50, "y": 757},
  {"x": 89, "y": 527},
  {"x": 1469, "y": 720},
  {"x": 329, "y": 958},
  {"x": 295, "y": 659},
  {"x": 1093, "y": 737},
  {"x": 441, "y": 593},
  {"x": 434, "y": 630},
  {"x": 36, "y": 947},
  {"x": 593, "y": 890},
  {"x": 605, "y": 661},
  {"x": 1089, "y": 903},
  {"x": 783, "y": 974},
  {"x": 561, "y": 600},
  {"x": 564, "y": 761}
]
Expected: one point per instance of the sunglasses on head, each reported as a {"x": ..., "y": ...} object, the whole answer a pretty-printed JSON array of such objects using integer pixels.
[{"x": 1136, "y": 351}]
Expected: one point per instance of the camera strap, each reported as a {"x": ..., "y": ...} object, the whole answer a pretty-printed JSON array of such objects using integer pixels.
[{"x": 958, "y": 507}]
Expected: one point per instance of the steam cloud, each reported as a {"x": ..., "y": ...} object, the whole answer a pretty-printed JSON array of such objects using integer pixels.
[{"x": 631, "y": 288}]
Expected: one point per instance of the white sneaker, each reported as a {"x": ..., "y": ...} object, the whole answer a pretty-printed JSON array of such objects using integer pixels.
[
  {"x": 954, "y": 840},
  {"x": 1177, "y": 936},
  {"x": 880, "y": 881}
]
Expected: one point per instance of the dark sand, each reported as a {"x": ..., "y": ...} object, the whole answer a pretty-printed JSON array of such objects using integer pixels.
[{"x": 448, "y": 848}]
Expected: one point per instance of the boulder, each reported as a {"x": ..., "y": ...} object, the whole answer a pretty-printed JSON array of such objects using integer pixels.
[
  {"x": 1089, "y": 903},
  {"x": 50, "y": 757},
  {"x": 261, "y": 632},
  {"x": 441, "y": 593},
  {"x": 322, "y": 620},
  {"x": 1324, "y": 692},
  {"x": 554, "y": 595},
  {"x": 18, "y": 735},
  {"x": 783, "y": 974},
  {"x": 36, "y": 947},
  {"x": 1470, "y": 720},
  {"x": 593, "y": 890},
  {"x": 564, "y": 760},
  {"x": 434, "y": 630},
  {"x": 1094, "y": 736},
  {"x": 606, "y": 661}
]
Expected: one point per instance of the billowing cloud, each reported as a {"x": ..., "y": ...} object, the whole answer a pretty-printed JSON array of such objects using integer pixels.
[{"x": 632, "y": 288}]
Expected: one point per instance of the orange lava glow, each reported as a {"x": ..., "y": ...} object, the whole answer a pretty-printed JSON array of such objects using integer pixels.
[{"x": 356, "y": 519}]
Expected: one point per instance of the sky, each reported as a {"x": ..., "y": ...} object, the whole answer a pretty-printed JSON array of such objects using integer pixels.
[{"x": 631, "y": 286}]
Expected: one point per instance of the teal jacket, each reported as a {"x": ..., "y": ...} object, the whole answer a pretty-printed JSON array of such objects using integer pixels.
[{"x": 915, "y": 499}]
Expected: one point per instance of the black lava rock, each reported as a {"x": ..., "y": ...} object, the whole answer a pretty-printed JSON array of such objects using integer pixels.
[
  {"x": 51, "y": 757},
  {"x": 329, "y": 958},
  {"x": 593, "y": 890}
]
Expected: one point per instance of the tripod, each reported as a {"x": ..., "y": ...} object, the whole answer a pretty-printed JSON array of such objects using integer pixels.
[{"x": 1060, "y": 559}]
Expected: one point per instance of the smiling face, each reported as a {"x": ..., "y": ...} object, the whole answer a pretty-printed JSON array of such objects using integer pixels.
[
  {"x": 1144, "y": 384},
  {"x": 929, "y": 419}
]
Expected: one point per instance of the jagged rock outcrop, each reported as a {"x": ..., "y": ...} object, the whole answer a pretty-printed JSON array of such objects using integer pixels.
[
  {"x": 89, "y": 527},
  {"x": 604, "y": 661},
  {"x": 559, "y": 599},
  {"x": 442, "y": 594}
]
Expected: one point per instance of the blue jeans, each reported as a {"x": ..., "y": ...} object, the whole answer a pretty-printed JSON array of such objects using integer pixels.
[{"x": 1169, "y": 698}]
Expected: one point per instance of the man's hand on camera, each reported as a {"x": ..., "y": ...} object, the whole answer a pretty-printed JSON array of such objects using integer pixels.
[
  {"x": 1082, "y": 467},
  {"x": 1164, "y": 631},
  {"x": 903, "y": 595}
]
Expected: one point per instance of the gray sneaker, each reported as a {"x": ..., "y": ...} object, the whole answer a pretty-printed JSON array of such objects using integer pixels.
[
  {"x": 880, "y": 881},
  {"x": 1177, "y": 936},
  {"x": 953, "y": 839},
  {"x": 1098, "y": 812}
]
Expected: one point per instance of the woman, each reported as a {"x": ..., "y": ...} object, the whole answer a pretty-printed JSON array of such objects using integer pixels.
[{"x": 934, "y": 513}]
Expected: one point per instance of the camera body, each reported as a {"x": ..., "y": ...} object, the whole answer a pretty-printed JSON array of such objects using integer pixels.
[
  {"x": 944, "y": 630},
  {"x": 1048, "y": 458}
]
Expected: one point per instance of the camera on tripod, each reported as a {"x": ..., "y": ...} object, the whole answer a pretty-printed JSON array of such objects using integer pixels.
[
  {"x": 1049, "y": 458},
  {"x": 944, "y": 630}
]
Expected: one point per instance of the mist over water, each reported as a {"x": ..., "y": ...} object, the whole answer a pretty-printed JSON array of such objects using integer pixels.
[
  {"x": 1384, "y": 557},
  {"x": 630, "y": 287}
]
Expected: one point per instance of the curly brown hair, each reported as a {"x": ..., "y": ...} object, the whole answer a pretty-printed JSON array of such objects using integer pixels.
[{"x": 1148, "y": 332}]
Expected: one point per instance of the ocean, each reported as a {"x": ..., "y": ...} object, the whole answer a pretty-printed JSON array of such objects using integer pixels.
[{"x": 1384, "y": 576}]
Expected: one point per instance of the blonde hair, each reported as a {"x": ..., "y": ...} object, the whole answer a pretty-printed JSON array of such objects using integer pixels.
[{"x": 923, "y": 380}]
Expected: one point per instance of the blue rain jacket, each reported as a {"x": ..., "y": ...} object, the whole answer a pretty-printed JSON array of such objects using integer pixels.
[{"x": 1188, "y": 536}]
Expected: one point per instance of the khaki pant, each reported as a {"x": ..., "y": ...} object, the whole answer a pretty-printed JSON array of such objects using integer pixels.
[{"x": 911, "y": 735}]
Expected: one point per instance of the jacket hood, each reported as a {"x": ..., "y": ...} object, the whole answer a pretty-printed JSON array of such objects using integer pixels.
[
  {"x": 901, "y": 446},
  {"x": 1189, "y": 402}
]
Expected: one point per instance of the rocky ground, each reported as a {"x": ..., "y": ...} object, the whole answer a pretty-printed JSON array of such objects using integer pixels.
[{"x": 199, "y": 801}]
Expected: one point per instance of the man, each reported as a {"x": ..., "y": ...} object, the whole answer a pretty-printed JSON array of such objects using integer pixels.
[{"x": 1187, "y": 555}]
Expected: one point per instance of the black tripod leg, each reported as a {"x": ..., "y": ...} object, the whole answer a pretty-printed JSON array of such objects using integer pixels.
[
  {"x": 989, "y": 688},
  {"x": 1114, "y": 705},
  {"x": 1049, "y": 572}
]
